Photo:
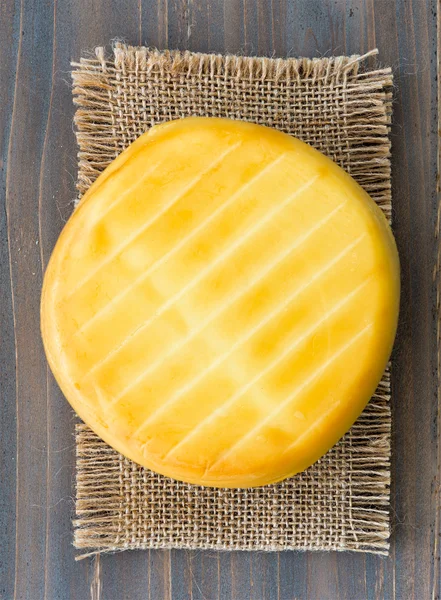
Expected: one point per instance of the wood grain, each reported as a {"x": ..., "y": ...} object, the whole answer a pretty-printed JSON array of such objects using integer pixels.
[{"x": 37, "y": 175}]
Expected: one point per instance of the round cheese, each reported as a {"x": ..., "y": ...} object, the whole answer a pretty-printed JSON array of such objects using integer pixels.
[{"x": 222, "y": 304}]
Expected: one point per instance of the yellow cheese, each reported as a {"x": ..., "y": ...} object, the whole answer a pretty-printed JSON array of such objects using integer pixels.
[{"x": 222, "y": 304}]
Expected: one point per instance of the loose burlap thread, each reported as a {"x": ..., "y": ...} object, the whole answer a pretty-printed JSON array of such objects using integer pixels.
[{"x": 343, "y": 110}]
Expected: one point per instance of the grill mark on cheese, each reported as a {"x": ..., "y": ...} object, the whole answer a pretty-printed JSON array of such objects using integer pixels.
[
  {"x": 242, "y": 340},
  {"x": 202, "y": 274},
  {"x": 316, "y": 424},
  {"x": 233, "y": 298},
  {"x": 145, "y": 226},
  {"x": 286, "y": 352},
  {"x": 114, "y": 204},
  {"x": 314, "y": 377},
  {"x": 178, "y": 247},
  {"x": 194, "y": 282},
  {"x": 184, "y": 390}
]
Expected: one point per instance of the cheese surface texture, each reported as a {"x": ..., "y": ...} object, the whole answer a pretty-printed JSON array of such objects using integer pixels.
[{"x": 222, "y": 303}]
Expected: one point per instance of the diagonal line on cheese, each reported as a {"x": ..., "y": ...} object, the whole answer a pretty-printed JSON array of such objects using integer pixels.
[
  {"x": 171, "y": 253},
  {"x": 279, "y": 259},
  {"x": 315, "y": 425},
  {"x": 313, "y": 378},
  {"x": 224, "y": 307},
  {"x": 121, "y": 197},
  {"x": 239, "y": 294},
  {"x": 225, "y": 254},
  {"x": 295, "y": 344},
  {"x": 145, "y": 226},
  {"x": 185, "y": 389}
]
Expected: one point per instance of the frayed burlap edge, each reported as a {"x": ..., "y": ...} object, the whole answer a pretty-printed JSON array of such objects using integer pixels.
[{"x": 105, "y": 480}]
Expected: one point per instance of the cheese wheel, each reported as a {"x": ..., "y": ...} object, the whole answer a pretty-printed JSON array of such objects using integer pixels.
[{"x": 222, "y": 304}]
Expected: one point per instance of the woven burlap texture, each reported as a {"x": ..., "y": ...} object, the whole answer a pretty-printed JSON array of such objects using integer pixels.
[{"x": 343, "y": 110}]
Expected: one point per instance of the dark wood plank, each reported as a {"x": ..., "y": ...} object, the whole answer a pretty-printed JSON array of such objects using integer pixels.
[
  {"x": 27, "y": 142},
  {"x": 160, "y": 575},
  {"x": 414, "y": 383},
  {"x": 233, "y": 26},
  {"x": 9, "y": 32},
  {"x": 215, "y": 30},
  {"x": 204, "y": 568},
  {"x": 154, "y": 23},
  {"x": 179, "y": 23},
  {"x": 181, "y": 575},
  {"x": 127, "y": 577},
  {"x": 38, "y": 166},
  {"x": 225, "y": 582},
  {"x": 264, "y": 575}
]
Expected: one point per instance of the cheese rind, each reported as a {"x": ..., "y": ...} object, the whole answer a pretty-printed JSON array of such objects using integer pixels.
[{"x": 222, "y": 304}]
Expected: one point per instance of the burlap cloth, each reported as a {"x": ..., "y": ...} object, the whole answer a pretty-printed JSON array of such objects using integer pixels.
[{"x": 341, "y": 502}]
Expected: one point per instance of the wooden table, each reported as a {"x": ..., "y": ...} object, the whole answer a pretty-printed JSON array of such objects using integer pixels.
[{"x": 38, "y": 40}]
